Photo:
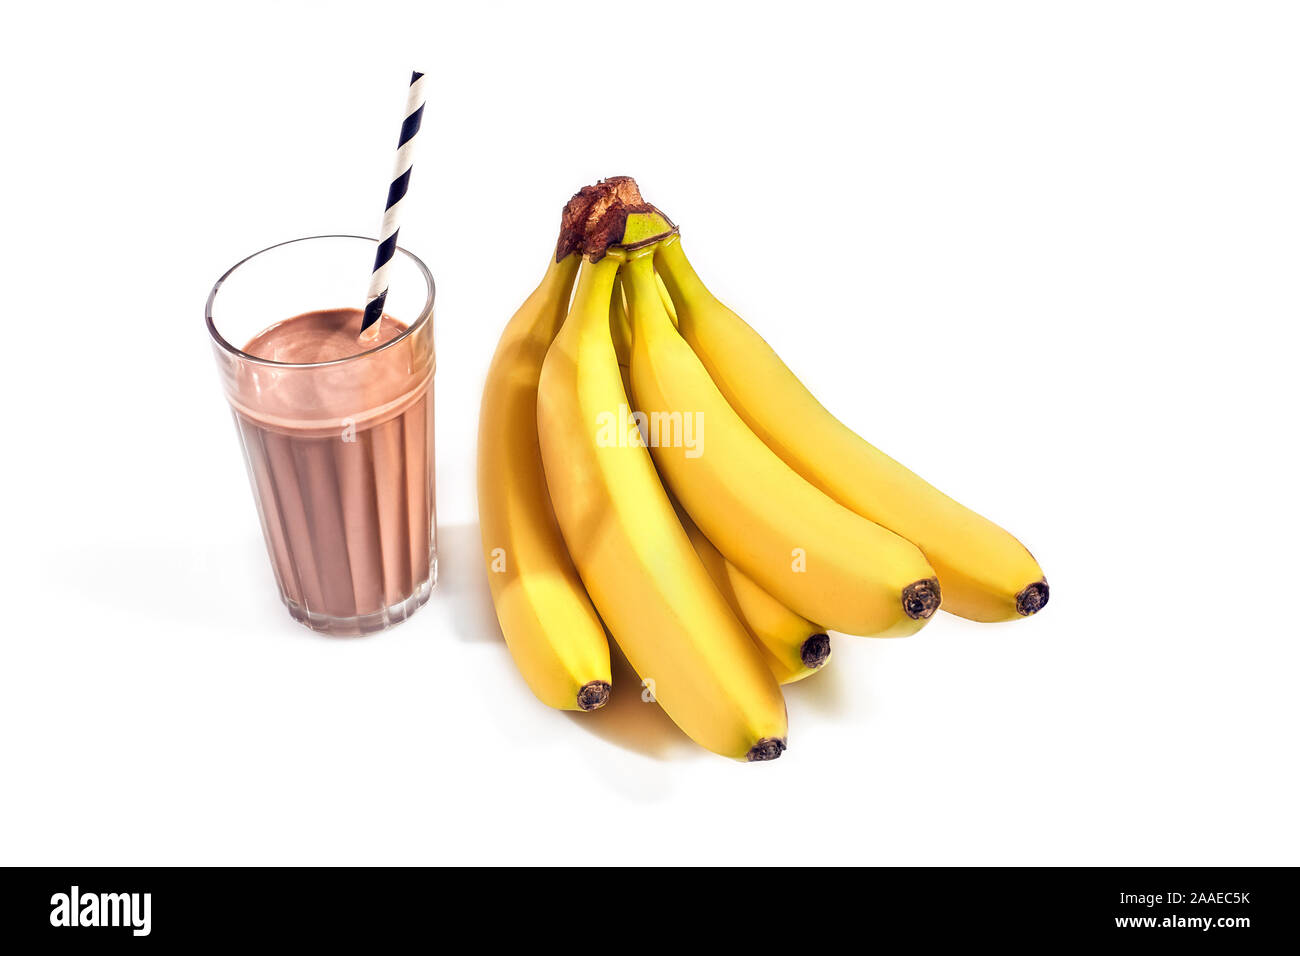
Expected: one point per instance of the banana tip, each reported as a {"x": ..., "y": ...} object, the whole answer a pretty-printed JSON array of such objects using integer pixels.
[
  {"x": 1033, "y": 598},
  {"x": 769, "y": 748},
  {"x": 921, "y": 599},
  {"x": 593, "y": 695},
  {"x": 815, "y": 651}
]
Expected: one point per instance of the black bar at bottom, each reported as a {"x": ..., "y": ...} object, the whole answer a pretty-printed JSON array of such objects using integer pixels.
[{"x": 1228, "y": 907}]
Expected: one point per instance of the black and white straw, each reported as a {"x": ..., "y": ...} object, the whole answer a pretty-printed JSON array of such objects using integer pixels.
[{"x": 378, "y": 291}]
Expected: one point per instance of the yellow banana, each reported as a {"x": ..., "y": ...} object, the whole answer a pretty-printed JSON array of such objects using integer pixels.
[
  {"x": 634, "y": 558},
  {"x": 549, "y": 624},
  {"x": 793, "y": 647},
  {"x": 812, "y": 554},
  {"x": 666, "y": 298},
  {"x": 620, "y": 326},
  {"x": 986, "y": 574}
]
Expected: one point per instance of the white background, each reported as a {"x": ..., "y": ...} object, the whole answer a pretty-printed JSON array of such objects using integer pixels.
[{"x": 1045, "y": 254}]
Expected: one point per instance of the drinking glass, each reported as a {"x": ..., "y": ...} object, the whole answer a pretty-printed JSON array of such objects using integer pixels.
[{"x": 339, "y": 453}]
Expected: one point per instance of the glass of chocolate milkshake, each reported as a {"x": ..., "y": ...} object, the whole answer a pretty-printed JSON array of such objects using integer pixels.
[{"x": 337, "y": 431}]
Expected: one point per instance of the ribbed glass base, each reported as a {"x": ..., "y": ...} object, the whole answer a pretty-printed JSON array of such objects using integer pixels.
[{"x": 367, "y": 623}]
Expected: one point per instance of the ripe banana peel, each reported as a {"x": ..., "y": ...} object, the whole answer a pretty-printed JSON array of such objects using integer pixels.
[
  {"x": 631, "y": 552},
  {"x": 552, "y": 630},
  {"x": 816, "y": 557},
  {"x": 985, "y": 573},
  {"x": 793, "y": 647}
]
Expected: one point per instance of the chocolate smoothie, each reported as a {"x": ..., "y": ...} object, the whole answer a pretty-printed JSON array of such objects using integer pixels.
[{"x": 341, "y": 460}]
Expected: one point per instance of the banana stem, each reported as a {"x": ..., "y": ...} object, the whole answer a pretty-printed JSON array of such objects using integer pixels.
[
  {"x": 677, "y": 272},
  {"x": 595, "y": 289},
  {"x": 639, "y": 284}
]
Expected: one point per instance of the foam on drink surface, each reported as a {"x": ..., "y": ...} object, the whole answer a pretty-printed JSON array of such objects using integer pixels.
[{"x": 322, "y": 336}]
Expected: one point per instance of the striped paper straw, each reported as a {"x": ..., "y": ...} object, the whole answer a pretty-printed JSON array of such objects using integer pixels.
[{"x": 378, "y": 291}]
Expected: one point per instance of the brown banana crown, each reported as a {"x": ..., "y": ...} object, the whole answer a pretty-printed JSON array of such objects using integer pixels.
[{"x": 596, "y": 217}]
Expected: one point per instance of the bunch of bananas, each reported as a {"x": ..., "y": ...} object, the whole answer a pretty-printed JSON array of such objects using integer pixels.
[{"x": 648, "y": 465}]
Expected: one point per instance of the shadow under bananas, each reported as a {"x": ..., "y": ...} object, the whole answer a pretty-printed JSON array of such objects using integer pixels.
[
  {"x": 632, "y": 723},
  {"x": 626, "y": 721}
]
